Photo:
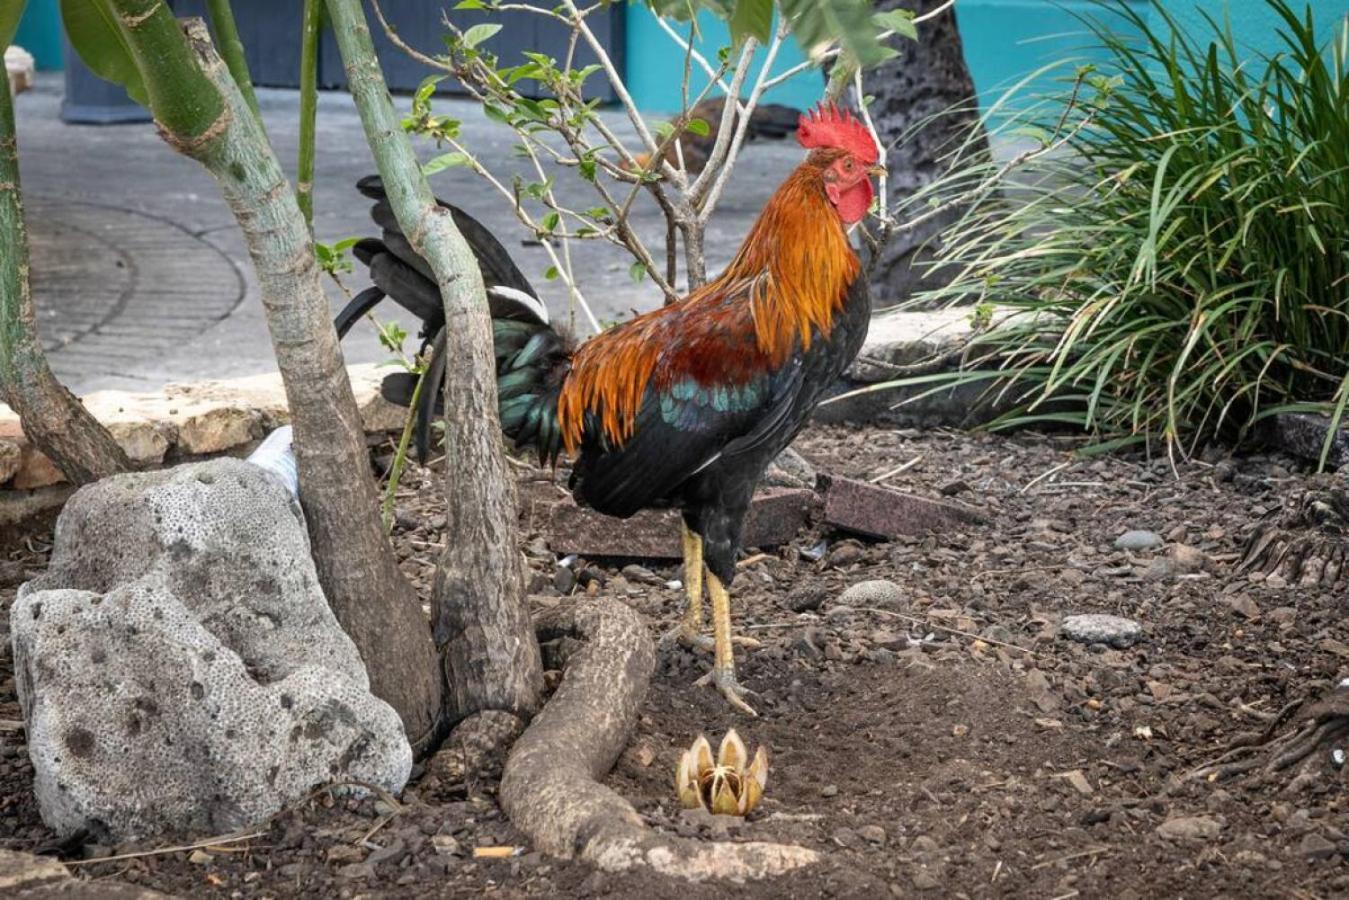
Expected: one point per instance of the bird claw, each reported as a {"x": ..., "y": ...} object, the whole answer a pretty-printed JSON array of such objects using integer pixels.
[
  {"x": 732, "y": 690},
  {"x": 691, "y": 640}
]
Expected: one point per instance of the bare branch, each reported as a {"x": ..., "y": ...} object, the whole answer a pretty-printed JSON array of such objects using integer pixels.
[
  {"x": 718, "y": 157},
  {"x": 723, "y": 167}
]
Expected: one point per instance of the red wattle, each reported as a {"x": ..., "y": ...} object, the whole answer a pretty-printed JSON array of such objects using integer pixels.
[{"x": 852, "y": 203}]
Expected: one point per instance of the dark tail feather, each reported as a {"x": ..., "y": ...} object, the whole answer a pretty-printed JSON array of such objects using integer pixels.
[
  {"x": 773, "y": 120},
  {"x": 361, "y": 304},
  {"x": 532, "y": 358},
  {"x": 498, "y": 269}
]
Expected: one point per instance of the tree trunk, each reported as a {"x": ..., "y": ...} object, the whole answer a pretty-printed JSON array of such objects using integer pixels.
[
  {"x": 491, "y": 656},
  {"x": 927, "y": 79},
  {"x": 53, "y": 419},
  {"x": 369, "y": 595}
]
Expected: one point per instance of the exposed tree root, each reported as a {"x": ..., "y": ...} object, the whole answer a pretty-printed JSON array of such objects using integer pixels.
[
  {"x": 1308, "y": 545},
  {"x": 551, "y": 788},
  {"x": 1324, "y": 723},
  {"x": 475, "y": 751}
]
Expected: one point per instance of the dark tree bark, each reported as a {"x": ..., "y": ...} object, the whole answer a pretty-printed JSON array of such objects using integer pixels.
[
  {"x": 52, "y": 418},
  {"x": 927, "y": 79}
]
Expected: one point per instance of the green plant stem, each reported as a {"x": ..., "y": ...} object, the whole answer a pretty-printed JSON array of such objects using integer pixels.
[
  {"x": 184, "y": 102},
  {"x": 400, "y": 456},
  {"x": 52, "y": 418},
  {"x": 232, "y": 50},
  {"x": 490, "y": 653},
  {"x": 309, "y": 56}
]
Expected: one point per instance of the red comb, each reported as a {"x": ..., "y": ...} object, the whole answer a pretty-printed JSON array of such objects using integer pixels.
[{"x": 825, "y": 126}]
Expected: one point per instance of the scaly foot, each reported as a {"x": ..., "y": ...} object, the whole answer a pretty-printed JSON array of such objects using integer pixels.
[
  {"x": 732, "y": 690},
  {"x": 706, "y": 642}
]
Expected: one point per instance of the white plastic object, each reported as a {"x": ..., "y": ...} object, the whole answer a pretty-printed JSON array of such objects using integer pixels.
[{"x": 277, "y": 455}]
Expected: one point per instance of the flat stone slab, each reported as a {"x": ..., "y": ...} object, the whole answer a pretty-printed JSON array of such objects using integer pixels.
[
  {"x": 884, "y": 513},
  {"x": 31, "y": 877},
  {"x": 24, "y": 872}
]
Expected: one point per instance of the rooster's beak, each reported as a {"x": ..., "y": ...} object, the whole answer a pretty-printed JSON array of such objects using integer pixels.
[{"x": 876, "y": 171}]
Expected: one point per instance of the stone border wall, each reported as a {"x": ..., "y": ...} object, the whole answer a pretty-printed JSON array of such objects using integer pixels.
[{"x": 177, "y": 423}]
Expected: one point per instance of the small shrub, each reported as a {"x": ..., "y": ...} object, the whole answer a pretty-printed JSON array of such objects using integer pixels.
[{"x": 1179, "y": 250}]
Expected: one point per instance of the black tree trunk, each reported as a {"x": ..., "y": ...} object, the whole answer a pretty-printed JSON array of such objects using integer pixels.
[{"x": 929, "y": 78}]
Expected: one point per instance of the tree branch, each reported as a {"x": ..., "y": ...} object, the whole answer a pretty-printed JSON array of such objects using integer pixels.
[
  {"x": 491, "y": 656},
  {"x": 52, "y": 418},
  {"x": 184, "y": 103},
  {"x": 232, "y": 50},
  {"x": 309, "y": 66}
]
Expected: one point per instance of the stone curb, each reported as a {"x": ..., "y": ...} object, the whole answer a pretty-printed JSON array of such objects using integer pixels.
[
  {"x": 181, "y": 421},
  {"x": 898, "y": 341}
]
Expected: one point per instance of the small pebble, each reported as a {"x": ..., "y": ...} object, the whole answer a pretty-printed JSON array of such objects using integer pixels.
[
  {"x": 1138, "y": 540},
  {"x": 874, "y": 834},
  {"x": 1095, "y": 628}
]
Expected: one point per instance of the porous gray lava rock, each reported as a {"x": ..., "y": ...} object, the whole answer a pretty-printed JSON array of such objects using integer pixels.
[
  {"x": 1095, "y": 628},
  {"x": 875, "y": 592},
  {"x": 179, "y": 669}
]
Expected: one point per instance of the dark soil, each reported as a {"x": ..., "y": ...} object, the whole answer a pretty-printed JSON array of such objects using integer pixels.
[{"x": 911, "y": 746}]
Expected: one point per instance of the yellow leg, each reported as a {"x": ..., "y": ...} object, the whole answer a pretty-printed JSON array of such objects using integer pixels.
[
  {"x": 691, "y": 627},
  {"x": 723, "y": 670},
  {"x": 690, "y": 630}
]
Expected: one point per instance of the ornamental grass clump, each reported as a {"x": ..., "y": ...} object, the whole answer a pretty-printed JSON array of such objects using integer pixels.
[{"x": 1176, "y": 251}]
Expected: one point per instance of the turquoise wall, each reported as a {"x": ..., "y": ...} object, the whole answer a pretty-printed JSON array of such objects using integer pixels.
[
  {"x": 40, "y": 32},
  {"x": 1005, "y": 40},
  {"x": 1255, "y": 26}
]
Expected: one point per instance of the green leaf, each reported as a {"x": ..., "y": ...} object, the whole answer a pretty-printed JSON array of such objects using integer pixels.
[
  {"x": 698, "y": 127},
  {"x": 587, "y": 168},
  {"x": 100, "y": 43},
  {"x": 900, "y": 21},
  {"x": 684, "y": 10},
  {"x": 552, "y": 274},
  {"x": 469, "y": 4},
  {"x": 496, "y": 113},
  {"x": 479, "y": 33},
  {"x": 550, "y": 221},
  {"x": 637, "y": 271},
  {"x": 446, "y": 161},
  {"x": 9, "y": 22},
  {"x": 752, "y": 18},
  {"x": 818, "y": 23}
]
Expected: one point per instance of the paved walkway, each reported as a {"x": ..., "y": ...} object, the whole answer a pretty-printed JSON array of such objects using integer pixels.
[{"x": 141, "y": 276}]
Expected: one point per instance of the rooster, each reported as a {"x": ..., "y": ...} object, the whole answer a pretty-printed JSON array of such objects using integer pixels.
[
  {"x": 767, "y": 120},
  {"x": 686, "y": 405}
]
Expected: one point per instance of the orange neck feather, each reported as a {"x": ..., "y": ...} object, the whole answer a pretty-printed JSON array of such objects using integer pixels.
[{"x": 799, "y": 258}]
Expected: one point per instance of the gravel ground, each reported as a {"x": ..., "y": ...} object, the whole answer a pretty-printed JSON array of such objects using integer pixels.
[{"x": 931, "y": 731}]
